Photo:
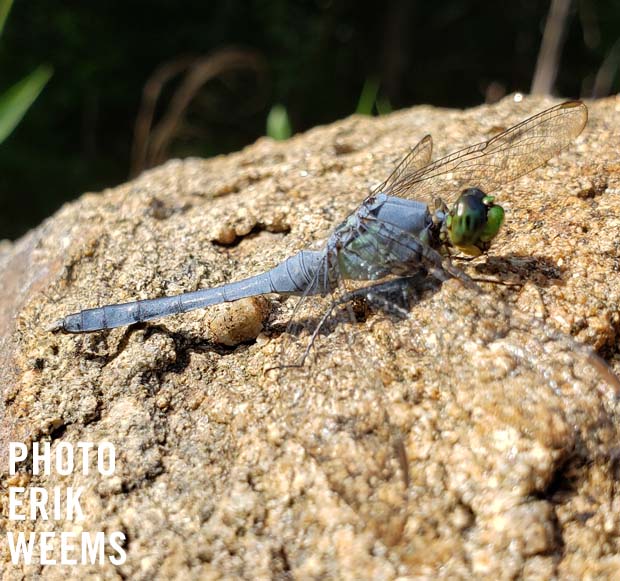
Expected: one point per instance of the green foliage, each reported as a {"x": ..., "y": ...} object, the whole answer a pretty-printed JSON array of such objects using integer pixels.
[
  {"x": 16, "y": 100},
  {"x": 383, "y": 105},
  {"x": 368, "y": 96},
  {"x": 5, "y": 8},
  {"x": 370, "y": 100},
  {"x": 278, "y": 123}
]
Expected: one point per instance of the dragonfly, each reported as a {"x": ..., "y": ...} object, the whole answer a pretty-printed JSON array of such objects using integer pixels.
[{"x": 404, "y": 232}]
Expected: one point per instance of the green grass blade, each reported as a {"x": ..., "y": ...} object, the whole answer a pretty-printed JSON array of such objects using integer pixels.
[
  {"x": 278, "y": 123},
  {"x": 368, "y": 96},
  {"x": 5, "y": 8},
  {"x": 383, "y": 106},
  {"x": 14, "y": 102}
]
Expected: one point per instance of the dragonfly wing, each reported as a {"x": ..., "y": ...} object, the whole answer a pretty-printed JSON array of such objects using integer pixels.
[
  {"x": 418, "y": 157},
  {"x": 499, "y": 160}
]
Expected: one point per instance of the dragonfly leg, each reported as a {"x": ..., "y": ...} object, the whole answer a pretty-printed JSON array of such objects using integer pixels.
[
  {"x": 404, "y": 287},
  {"x": 315, "y": 333},
  {"x": 398, "y": 296},
  {"x": 500, "y": 282}
]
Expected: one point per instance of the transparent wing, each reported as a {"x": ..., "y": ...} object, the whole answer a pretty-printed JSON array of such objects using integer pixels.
[
  {"x": 499, "y": 160},
  {"x": 418, "y": 157}
]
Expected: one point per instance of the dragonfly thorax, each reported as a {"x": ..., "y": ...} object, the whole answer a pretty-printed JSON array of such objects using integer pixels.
[{"x": 472, "y": 222}]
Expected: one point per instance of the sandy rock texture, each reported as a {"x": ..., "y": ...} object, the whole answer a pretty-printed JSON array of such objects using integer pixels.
[{"x": 474, "y": 438}]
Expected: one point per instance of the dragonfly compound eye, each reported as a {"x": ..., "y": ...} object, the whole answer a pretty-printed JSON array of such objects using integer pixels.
[{"x": 474, "y": 221}]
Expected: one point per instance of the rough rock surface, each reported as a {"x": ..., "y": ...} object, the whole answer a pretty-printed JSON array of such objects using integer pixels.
[{"x": 471, "y": 439}]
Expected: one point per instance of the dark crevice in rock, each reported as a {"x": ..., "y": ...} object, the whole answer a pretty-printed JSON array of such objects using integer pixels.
[
  {"x": 186, "y": 344},
  {"x": 280, "y": 565}
]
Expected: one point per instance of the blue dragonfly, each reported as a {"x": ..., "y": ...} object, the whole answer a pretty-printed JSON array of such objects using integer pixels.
[{"x": 401, "y": 234}]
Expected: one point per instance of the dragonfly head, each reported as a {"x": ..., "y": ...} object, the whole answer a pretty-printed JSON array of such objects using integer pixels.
[{"x": 473, "y": 222}]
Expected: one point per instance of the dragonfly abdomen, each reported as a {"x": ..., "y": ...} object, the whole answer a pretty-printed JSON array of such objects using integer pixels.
[{"x": 292, "y": 276}]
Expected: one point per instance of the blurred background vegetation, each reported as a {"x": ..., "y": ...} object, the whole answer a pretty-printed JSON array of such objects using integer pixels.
[{"x": 137, "y": 82}]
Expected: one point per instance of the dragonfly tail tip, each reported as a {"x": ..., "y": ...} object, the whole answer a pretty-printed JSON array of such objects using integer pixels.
[{"x": 58, "y": 325}]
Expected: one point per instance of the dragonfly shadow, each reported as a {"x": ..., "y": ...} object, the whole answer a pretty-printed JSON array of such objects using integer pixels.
[
  {"x": 394, "y": 298},
  {"x": 520, "y": 268},
  {"x": 397, "y": 297},
  {"x": 184, "y": 344}
]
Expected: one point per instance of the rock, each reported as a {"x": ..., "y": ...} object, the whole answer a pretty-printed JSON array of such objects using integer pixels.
[{"x": 473, "y": 438}]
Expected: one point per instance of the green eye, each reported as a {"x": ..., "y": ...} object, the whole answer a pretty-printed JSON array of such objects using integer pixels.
[
  {"x": 474, "y": 221},
  {"x": 495, "y": 219},
  {"x": 467, "y": 218}
]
